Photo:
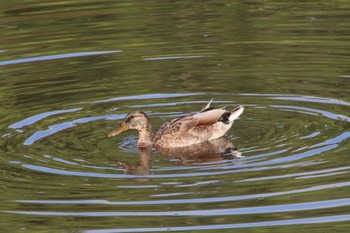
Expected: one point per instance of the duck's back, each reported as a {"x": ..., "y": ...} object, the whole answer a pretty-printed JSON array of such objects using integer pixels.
[{"x": 193, "y": 129}]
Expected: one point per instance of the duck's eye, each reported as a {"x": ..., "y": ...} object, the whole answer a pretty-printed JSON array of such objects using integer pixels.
[{"x": 131, "y": 117}]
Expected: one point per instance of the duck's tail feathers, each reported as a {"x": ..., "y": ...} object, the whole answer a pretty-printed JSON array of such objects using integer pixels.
[
  {"x": 207, "y": 107},
  {"x": 235, "y": 113},
  {"x": 229, "y": 116}
]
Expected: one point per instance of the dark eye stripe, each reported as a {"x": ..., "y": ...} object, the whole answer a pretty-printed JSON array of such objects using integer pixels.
[{"x": 129, "y": 118}]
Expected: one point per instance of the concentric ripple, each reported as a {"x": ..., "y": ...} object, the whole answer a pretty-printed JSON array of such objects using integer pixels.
[{"x": 300, "y": 141}]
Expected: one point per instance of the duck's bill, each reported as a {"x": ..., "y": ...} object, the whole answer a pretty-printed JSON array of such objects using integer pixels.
[{"x": 120, "y": 128}]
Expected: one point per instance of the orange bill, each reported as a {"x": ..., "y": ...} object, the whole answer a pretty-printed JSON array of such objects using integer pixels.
[{"x": 120, "y": 128}]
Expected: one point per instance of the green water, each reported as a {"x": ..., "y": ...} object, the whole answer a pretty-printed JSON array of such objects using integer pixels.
[{"x": 70, "y": 71}]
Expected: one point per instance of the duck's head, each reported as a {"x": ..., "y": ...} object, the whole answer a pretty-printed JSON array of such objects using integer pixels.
[{"x": 134, "y": 120}]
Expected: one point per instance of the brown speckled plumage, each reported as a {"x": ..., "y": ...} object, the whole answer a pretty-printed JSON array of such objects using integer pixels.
[
  {"x": 206, "y": 125},
  {"x": 209, "y": 151}
]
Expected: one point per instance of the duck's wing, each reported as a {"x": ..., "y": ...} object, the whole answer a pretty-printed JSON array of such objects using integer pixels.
[
  {"x": 209, "y": 117},
  {"x": 183, "y": 124},
  {"x": 213, "y": 116}
]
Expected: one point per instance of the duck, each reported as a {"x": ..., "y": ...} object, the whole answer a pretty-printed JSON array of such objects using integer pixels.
[{"x": 206, "y": 125}]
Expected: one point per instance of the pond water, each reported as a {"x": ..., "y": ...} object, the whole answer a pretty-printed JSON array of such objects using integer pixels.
[{"x": 70, "y": 71}]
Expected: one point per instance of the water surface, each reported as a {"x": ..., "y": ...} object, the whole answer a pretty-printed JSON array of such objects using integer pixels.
[{"x": 70, "y": 71}]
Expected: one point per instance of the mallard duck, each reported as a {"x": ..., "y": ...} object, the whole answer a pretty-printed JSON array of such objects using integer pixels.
[{"x": 192, "y": 129}]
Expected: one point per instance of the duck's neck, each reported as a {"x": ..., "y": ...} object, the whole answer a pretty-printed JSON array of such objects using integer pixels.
[{"x": 145, "y": 138}]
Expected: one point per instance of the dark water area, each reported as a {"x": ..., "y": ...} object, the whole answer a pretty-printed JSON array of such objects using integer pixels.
[{"x": 70, "y": 71}]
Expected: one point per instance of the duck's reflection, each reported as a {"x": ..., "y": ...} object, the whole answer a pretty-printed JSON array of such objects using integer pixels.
[
  {"x": 210, "y": 151},
  {"x": 142, "y": 167}
]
